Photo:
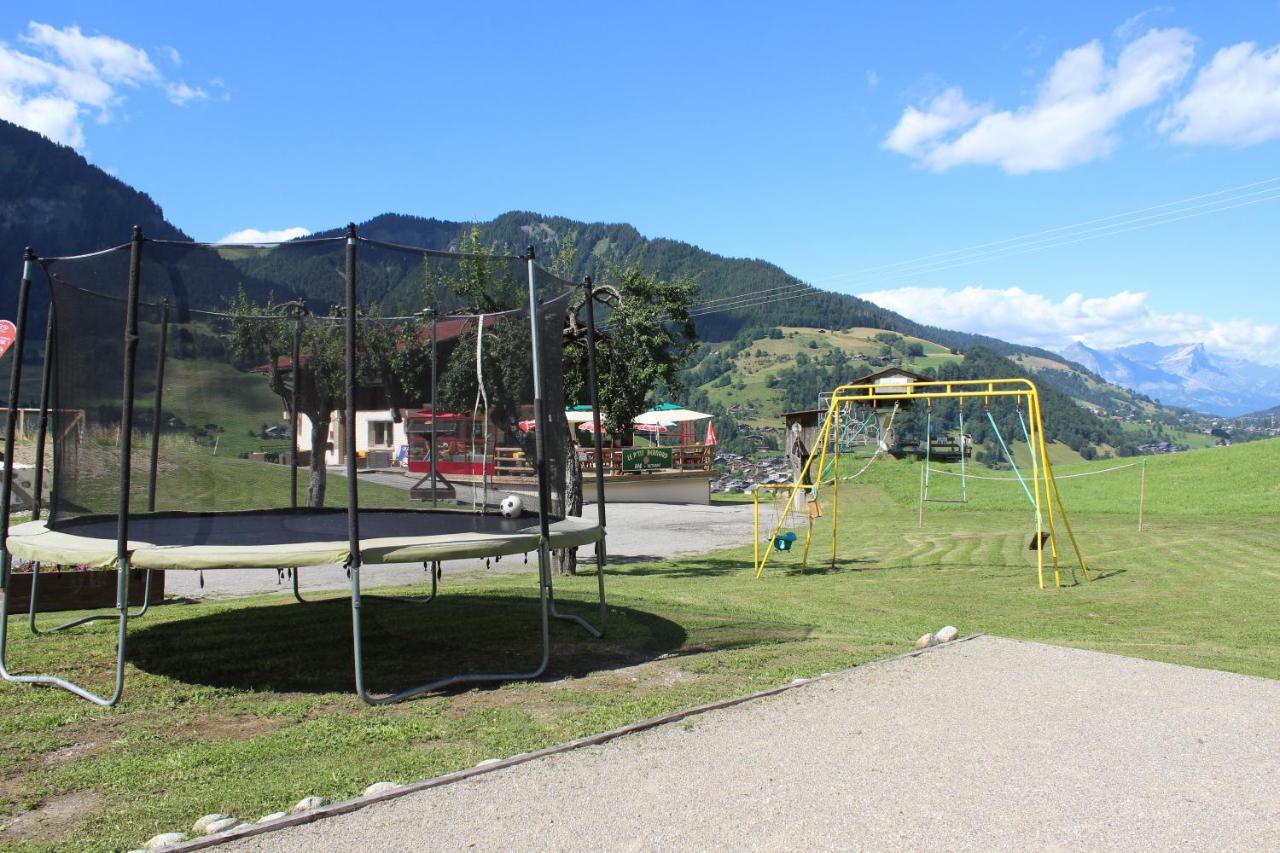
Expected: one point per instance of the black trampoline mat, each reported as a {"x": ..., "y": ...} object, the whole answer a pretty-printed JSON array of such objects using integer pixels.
[{"x": 292, "y": 527}]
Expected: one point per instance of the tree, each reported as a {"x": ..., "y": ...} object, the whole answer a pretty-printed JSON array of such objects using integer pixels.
[
  {"x": 646, "y": 341},
  {"x": 389, "y": 355}
]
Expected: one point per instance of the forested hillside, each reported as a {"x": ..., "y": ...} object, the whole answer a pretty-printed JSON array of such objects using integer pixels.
[{"x": 53, "y": 200}]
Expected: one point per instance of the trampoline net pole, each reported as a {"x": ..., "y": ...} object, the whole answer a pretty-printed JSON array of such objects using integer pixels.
[
  {"x": 11, "y": 415},
  {"x": 42, "y": 432},
  {"x": 602, "y": 556},
  {"x": 295, "y": 421}
]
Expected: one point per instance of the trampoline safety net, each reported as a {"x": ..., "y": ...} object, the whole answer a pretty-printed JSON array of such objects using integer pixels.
[{"x": 231, "y": 338}]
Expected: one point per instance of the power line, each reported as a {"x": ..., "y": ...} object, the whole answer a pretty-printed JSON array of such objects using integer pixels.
[
  {"x": 1069, "y": 239},
  {"x": 1066, "y": 235},
  {"x": 937, "y": 256}
]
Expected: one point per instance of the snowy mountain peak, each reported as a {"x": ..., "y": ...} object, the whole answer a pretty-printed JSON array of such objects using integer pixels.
[{"x": 1184, "y": 375}]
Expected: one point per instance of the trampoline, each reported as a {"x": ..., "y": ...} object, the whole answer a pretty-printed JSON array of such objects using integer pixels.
[
  {"x": 153, "y": 347},
  {"x": 294, "y": 538}
]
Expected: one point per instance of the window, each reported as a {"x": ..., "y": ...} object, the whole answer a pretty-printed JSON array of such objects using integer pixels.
[{"x": 379, "y": 433}]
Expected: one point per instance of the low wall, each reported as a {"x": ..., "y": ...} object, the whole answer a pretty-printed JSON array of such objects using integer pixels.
[{"x": 80, "y": 590}]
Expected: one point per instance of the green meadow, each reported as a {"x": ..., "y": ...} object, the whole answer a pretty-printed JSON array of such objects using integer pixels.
[{"x": 244, "y": 706}]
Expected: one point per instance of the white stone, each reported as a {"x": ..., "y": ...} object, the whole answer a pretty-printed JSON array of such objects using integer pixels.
[
  {"x": 222, "y": 825},
  {"x": 306, "y": 804},
  {"x": 164, "y": 839},
  {"x": 380, "y": 788},
  {"x": 201, "y": 826},
  {"x": 273, "y": 816},
  {"x": 925, "y": 641},
  {"x": 947, "y": 634}
]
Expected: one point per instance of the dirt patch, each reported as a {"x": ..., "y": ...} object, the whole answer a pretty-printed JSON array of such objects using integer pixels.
[
  {"x": 529, "y": 702},
  {"x": 72, "y": 751},
  {"x": 241, "y": 727},
  {"x": 51, "y": 820},
  {"x": 664, "y": 672}
]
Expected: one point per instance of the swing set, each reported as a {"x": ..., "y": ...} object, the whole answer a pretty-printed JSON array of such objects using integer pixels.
[{"x": 1041, "y": 487}]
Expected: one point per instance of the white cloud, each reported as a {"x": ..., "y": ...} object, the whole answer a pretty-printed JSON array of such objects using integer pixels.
[
  {"x": 1071, "y": 121},
  {"x": 255, "y": 235},
  {"x": 59, "y": 76},
  {"x": 873, "y": 79},
  {"x": 1123, "y": 318},
  {"x": 171, "y": 54},
  {"x": 1130, "y": 26},
  {"x": 180, "y": 93},
  {"x": 1235, "y": 100},
  {"x": 918, "y": 129}
]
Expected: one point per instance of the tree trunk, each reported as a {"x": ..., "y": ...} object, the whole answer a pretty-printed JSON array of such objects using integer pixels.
[
  {"x": 319, "y": 446},
  {"x": 568, "y": 558}
]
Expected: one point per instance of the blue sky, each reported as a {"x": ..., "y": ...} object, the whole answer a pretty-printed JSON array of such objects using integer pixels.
[{"x": 842, "y": 141}]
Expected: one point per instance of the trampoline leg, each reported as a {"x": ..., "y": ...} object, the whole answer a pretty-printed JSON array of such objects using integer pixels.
[
  {"x": 31, "y": 610},
  {"x": 434, "y": 569},
  {"x": 544, "y": 600},
  {"x": 294, "y": 573},
  {"x": 122, "y": 608},
  {"x": 570, "y": 617}
]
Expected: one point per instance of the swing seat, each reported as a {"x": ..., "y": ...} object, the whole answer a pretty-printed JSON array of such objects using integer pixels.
[
  {"x": 784, "y": 541},
  {"x": 1037, "y": 542}
]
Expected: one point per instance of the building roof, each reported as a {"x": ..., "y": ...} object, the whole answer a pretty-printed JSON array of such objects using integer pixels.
[{"x": 868, "y": 379}]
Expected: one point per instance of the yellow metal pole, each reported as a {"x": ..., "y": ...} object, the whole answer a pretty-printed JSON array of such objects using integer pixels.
[
  {"x": 1037, "y": 435},
  {"x": 833, "y": 416},
  {"x": 1035, "y": 482},
  {"x": 1052, "y": 480},
  {"x": 808, "y": 539},
  {"x": 835, "y": 497},
  {"x": 795, "y": 487}
]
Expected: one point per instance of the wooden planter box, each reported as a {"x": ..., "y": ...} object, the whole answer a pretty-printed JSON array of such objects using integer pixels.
[{"x": 80, "y": 590}]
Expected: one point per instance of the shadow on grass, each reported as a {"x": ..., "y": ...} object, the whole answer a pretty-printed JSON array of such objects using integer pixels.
[
  {"x": 308, "y": 647},
  {"x": 1102, "y": 574},
  {"x": 704, "y": 567}
]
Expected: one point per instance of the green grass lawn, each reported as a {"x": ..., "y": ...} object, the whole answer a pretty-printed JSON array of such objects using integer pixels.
[
  {"x": 192, "y": 477},
  {"x": 244, "y": 706}
]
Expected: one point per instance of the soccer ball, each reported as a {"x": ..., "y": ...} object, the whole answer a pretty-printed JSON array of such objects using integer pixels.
[{"x": 512, "y": 506}]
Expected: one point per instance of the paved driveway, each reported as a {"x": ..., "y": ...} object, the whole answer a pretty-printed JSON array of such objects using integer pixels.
[{"x": 989, "y": 744}]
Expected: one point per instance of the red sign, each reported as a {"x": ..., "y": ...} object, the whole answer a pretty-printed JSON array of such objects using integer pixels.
[{"x": 8, "y": 332}]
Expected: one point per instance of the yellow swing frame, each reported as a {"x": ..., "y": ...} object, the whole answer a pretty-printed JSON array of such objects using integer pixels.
[{"x": 1045, "y": 486}]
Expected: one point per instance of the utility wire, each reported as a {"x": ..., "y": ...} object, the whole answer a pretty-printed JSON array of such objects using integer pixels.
[
  {"x": 936, "y": 256},
  {"x": 1015, "y": 248}
]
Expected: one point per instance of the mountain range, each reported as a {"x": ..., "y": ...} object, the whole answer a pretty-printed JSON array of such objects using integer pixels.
[
  {"x": 1185, "y": 375},
  {"x": 54, "y": 200}
]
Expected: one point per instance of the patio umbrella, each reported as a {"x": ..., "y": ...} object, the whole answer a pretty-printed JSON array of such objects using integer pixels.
[
  {"x": 669, "y": 413},
  {"x": 656, "y": 429}
]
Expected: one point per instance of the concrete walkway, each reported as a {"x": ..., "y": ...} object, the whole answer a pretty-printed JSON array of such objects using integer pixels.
[
  {"x": 989, "y": 744},
  {"x": 637, "y": 533}
]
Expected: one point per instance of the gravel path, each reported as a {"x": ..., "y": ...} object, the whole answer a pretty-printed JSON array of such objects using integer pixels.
[
  {"x": 637, "y": 533},
  {"x": 989, "y": 744}
]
